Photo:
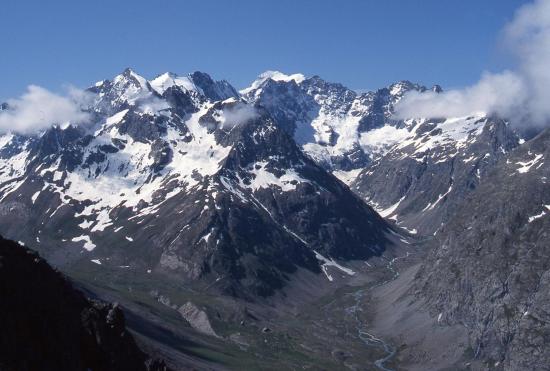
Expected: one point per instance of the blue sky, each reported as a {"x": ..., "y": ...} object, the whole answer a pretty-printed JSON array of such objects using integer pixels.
[{"x": 364, "y": 44}]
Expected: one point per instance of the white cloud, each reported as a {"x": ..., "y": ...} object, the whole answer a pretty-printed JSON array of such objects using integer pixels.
[
  {"x": 39, "y": 109},
  {"x": 238, "y": 114},
  {"x": 494, "y": 93},
  {"x": 522, "y": 94},
  {"x": 152, "y": 105}
]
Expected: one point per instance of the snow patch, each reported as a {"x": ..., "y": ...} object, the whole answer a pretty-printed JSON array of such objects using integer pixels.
[
  {"x": 263, "y": 178},
  {"x": 411, "y": 231},
  {"x": 384, "y": 213},
  {"x": 527, "y": 165},
  {"x": 331, "y": 263},
  {"x": 88, "y": 245},
  {"x": 540, "y": 215},
  {"x": 347, "y": 177},
  {"x": 535, "y": 217},
  {"x": 35, "y": 196},
  {"x": 377, "y": 141}
]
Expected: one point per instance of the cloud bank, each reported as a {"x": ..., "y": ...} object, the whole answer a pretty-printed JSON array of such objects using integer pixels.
[
  {"x": 522, "y": 94},
  {"x": 38, "y": 109}
]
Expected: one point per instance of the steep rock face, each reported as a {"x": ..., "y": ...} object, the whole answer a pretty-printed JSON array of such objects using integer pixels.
[
  {"x": 313, "y": 203},
  {"x": 48, "y": 325},
  {"x": 213, "y": 90},
  {"x": 289, "y": 105},
  {"x": 489, "y": 266},
  {"x": 213, "y": 192},
  {"x": 421, "y": 181}
]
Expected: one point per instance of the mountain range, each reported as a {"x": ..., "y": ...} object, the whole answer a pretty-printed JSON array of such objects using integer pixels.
[{"x": 242, "y": 212}]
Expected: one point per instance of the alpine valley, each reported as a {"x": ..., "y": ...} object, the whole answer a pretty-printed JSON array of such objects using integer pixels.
[{"x": 295, "y": 224}]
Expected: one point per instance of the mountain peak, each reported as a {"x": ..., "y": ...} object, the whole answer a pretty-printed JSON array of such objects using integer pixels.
[
  {"x": 169, "y": 79},
  {"x": 279, "y": 76},
  {"x": 130, "y": 74},
  {"x": 128, "y": 71},
  {"x": 212, "y": 89},
  {"x": 275, "y": 76},
  {"x": 401, "y": 87},
  {"x": 201, "y": 75}
]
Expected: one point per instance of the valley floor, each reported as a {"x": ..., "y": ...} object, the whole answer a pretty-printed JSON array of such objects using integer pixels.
[{"x": 367, "y": 322}]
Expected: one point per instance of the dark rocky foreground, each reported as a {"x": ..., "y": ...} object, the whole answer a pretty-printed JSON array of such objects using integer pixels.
[{"x": 48, "y": 325}]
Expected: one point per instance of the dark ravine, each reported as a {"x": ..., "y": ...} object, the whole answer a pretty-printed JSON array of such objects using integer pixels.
[{"x": 48, "y": 325}]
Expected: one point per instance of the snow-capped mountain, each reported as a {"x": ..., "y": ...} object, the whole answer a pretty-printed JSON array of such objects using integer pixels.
[
  {"x": 131, "y": 89},
  {"x": 180, "y": 175},
  {"x": 337, "y": 127},
  {"x": 414, "y": 171}
]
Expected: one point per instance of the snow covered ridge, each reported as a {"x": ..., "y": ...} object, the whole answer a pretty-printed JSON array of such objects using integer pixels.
[
  {"x": 168, "y": 80},
  {"x": 149, "y": 134},
  {"x": 455, "y": 131},
  {"x": 272, "y": 75},
  {"x": 145, "y": 147},
  {"x": 132, "y": 89},
  {"x": 168, "y": 134},
  {"x": 338, "y": 127}
]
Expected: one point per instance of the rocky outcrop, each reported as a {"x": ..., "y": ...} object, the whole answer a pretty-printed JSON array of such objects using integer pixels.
[
  {"x": 48, "y": 325},
  {"x": 197, "y": 318}
]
